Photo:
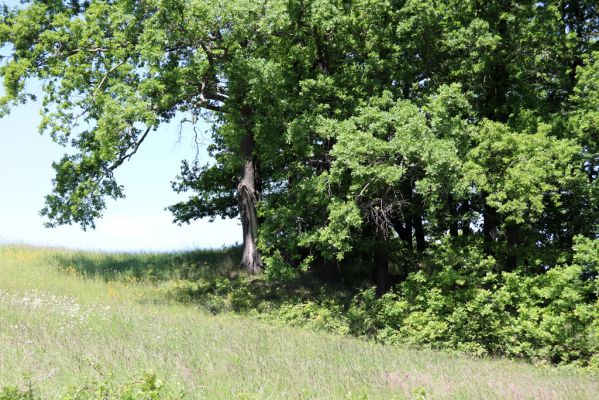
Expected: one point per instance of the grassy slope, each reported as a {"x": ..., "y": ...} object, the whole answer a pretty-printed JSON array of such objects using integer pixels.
[{"x": 61, "y": 330}]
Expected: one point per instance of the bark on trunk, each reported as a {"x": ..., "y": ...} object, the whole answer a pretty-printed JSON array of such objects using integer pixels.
[
  {"x": 419, "y": 233},
  {"x": 406, "y": 232},
  {"x": 490, "y": 225},
  {"x": 511, "y": 233},
  {"x": 418, "y": 225},
  {"x": 248, "y": 196},
  {"x": 453, "y": 215},
  {"x": 381, "y": 263},
  {"x": 465, "y": 224}
]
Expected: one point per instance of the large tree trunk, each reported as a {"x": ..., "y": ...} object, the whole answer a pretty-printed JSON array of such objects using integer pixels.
[{"x": 248, "y": 195}]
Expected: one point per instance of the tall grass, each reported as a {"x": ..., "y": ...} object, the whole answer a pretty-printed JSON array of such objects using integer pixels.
[{"x": 69, "y": 319}]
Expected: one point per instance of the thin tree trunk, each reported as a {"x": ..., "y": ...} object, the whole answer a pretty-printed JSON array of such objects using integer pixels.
[
  {"x": 419, "y": 233},
  {"x": 511, "y": 234},
  {"x": 381, "y": 263},
  {"x": 490, "y": 225},
  {"x": 453, "y": 216},
  {"x": 465, "y": 224},
  {"x": 404, "y": 231},
  {"x": 248, "y": 196},
  {"x": 418, "y": 226},
  {"x": 402, "y": 223}
]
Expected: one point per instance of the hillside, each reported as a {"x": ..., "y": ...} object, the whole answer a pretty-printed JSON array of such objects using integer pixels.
[{"x": 90, "y": 325}]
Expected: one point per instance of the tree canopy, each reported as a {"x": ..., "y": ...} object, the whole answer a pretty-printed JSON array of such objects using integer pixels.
[{"x": 359, "y": 134}]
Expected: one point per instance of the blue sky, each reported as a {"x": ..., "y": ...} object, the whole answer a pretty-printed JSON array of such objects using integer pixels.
[{"x": 138, "y": 222}]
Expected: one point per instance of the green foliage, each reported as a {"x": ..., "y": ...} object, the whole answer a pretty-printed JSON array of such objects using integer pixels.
[
  {"x": 586, "y": 255},
  {"x": 464, "y": 303},
  {"x": 14, "y": 393},
  {"x": 318, "y": 308},
  {"x": 371, "y": 116},
  {"x": 520, "y": 171},
  {"x": 148, "y": 387},
  {"x": 468, "y": 307},
  {"x": 451, "y": 146},
  {"x": 373, "y": 124},
  {"x": 465, "y": 306},
  {"x": 83, "y": 337}
]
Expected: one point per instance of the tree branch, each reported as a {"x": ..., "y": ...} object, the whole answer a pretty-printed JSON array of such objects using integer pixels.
[
  {"x": 127, "y": 156},
  {"x": 106, "y": 77}
]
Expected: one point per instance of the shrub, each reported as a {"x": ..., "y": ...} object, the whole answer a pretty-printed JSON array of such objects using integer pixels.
[
  {"x": 324, "y": 316},
  {"x": 459, "y": 300},
  {"x": 466, "y": 306}
]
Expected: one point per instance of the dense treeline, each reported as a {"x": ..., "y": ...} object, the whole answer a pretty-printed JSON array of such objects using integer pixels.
[
  {"x": 380, "y": 139},
  {"x": 380, "y": 128}
]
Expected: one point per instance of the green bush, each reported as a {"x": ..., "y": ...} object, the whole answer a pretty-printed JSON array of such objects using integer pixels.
[
  {"x": 548, "y": 317},
  {"x": 459, "y": 300},
  {"x": 318, "y": 316}
]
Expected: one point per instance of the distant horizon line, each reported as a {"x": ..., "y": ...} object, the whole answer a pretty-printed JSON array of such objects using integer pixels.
[{"x": 47, "y": 246}]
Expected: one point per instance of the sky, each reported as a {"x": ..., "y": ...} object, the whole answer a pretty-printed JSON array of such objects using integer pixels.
[{"x": 138, "y": 222}]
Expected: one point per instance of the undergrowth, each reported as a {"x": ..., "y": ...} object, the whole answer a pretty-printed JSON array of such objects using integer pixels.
[
  {"x": 464, "y": 304},
  {"x": 80, "y": 324},
  {"x": 147, "y": 387}
]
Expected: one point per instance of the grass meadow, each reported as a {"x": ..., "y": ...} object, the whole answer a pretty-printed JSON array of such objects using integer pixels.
[{"x": 71, "y": 320}]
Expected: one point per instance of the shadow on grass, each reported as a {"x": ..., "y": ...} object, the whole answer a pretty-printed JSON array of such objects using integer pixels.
[
  {"x": 212, "y": 280},
  {"x": 154, "y": 267}
]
